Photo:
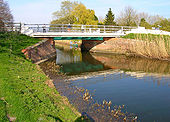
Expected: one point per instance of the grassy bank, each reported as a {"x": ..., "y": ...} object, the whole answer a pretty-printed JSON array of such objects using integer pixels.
[
  {"x": 24, "y": 93},
  {"x": 150, "y": 45}
]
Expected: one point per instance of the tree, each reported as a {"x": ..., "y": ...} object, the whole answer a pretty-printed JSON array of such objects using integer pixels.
[
  {"x": 163, "y": 24},
  {"x": 74, "y": 13},
  {"x": 101, "y": 20},
  {"x": 64, "y": 15},
  {"x": 84, "y": 16},
  {"x": 5, "y": 14},
  {"x": 110, "y": 18},
  {"x": 152, "y": 19},
  {"x": 128, "y": 17},
  {"x": 143, "y": 23}
]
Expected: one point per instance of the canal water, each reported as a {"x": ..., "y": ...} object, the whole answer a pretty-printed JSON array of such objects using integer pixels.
[{"x": 142, "y": 85}]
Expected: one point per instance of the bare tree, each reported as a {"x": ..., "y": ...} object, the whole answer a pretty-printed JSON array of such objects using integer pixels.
[
  {"x": 149, "y": 18},
  {"x": 101, "y": 19},
  {"x": 142, "y": 15},
  {"x": 153, "y": 19},
  {"x": 5, "y": 14},
  {"x": 128, "y": 17}
]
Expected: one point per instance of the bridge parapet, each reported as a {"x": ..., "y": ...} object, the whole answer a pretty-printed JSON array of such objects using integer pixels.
[{"x": 68, "y": 30}]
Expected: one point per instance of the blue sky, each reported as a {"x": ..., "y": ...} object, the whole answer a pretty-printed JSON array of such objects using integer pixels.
[{"x": 40, "y": 11}]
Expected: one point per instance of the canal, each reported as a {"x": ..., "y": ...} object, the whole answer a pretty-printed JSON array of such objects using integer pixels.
[{"x": 142, "y": 85}]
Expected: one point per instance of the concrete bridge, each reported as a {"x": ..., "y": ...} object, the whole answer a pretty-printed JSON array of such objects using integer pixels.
[
  {"x": 91, "y": 35},
  {"x": 71, "y": 30}
]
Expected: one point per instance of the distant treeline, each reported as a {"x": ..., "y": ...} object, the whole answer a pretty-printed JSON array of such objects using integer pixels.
[{"x": 77, "y": 13}]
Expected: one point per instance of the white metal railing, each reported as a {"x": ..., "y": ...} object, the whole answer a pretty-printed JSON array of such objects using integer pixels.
[
  {"x": 10, "y": 27},
  {"x": 76, "y": 28}
]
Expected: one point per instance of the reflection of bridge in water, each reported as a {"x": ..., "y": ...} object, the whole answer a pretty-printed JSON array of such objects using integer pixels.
[
  {"x": 63, "y": 58},
  {"x": 122, "y": 67},
  {"x": 86, "y": 66}
]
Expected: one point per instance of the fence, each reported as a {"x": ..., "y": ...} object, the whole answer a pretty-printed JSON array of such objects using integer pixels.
[
  {"x": 77, "y": 28},
  {"x": 10, "y": 27}
]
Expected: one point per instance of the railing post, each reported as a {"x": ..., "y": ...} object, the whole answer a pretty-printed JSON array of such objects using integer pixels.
[
  {"x": 104, "y": 29},
  {"x": 90, "y": 30},
  {"x": 38, "y": 28},
  {"x": 122, "y": 29},
  {"x": 20, "y": 26}
]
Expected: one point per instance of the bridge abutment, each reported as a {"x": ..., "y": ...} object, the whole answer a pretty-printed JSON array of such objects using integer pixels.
[
  {"x": 50, "y": 39},
  {"x": 87, "y": 45},
  {"x": 41, "y": 51}
]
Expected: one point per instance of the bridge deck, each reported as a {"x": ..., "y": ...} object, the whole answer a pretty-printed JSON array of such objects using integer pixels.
[{"x": 73, "y": 34}]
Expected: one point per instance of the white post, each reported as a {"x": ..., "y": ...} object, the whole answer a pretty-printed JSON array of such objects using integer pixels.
[
  {"x": 121, "y": 29},
  {"x": 104, "y": 29},
  {"x": 90, "y": 30}
]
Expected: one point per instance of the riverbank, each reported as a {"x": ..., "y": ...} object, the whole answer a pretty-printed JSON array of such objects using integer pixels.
[
  {"x": 27, "y": 94},
  {"x": 143, "y": 45}
]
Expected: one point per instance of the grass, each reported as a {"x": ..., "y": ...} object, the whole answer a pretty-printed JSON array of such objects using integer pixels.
[
  {"x": 150, "y": 45},
  {"x": 23, "y": 92}
]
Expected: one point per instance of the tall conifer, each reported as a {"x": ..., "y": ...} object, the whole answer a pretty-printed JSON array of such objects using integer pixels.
[{"x": 110, "y": 18}]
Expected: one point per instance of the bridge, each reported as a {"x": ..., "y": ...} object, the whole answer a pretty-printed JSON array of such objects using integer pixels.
[
  {"x": 91, "y": 35},
  {"x": 62, "y": 31}
]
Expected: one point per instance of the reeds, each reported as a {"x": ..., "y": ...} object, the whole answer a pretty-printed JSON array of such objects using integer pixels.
[{"x": 152, "y": 46}]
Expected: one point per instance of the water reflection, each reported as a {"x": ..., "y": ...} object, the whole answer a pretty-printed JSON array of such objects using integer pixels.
[
  {"x": 143, "y": 85},
  {"x": 72, "y": 56},
  {"x": 74, "y": 62},
  {"x": 134, "y": 63}
]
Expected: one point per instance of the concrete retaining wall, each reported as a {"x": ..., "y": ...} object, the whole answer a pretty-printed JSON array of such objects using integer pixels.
[{"x": 40, "y": 51}]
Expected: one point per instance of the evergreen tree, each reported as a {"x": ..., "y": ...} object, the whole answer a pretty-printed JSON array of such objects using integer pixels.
[
  {"x": 143, "y": 23},
  {"x": 110, "y": 18}
]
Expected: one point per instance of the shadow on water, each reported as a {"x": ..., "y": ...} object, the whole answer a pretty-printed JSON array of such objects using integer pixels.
[
  {"x": 133, "y": 63},
  {"x": 123, "y": 80},
  {"x": 74, "y": 62}
]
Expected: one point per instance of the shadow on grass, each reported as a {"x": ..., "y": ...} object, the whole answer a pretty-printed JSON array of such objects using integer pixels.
[{"x": 3, "y": 112}]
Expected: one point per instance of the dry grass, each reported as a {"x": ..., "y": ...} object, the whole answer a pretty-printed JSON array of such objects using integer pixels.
[{"x": 147, "y": 45}]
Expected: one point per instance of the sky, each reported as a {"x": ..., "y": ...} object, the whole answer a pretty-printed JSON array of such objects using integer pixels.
[{"x": 40, "y": 11}]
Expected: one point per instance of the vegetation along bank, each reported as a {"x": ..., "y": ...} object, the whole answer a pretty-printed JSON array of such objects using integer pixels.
[
  {"x": 26, "y": 94},
  {"x": 144, "y": 45}
]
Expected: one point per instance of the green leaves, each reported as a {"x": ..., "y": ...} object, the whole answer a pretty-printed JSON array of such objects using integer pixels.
[
  {"x": 74, "y": 13},
  {"x": 110, "y": 18},
  {"x": 145, "y": 24},
  {"x": 84, "y": 16}
]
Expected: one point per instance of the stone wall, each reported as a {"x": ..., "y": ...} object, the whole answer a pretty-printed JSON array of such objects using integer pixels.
[{"x": 40, "y": 51}]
